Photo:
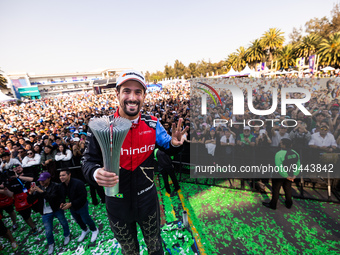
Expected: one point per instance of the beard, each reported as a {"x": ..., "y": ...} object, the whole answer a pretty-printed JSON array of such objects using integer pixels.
[{"x": 131, "y": 110}]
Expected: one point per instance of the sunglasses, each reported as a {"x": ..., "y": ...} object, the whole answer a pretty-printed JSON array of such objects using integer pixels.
[
  {"x": 30, "y": 153},
  {"x": 324, "y": 129}
]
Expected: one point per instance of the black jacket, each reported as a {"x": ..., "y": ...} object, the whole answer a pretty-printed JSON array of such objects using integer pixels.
[
  {"x": 137, "y": 191},
  {"x": 16, "y": 185},
  {"x": 51, "y": 194},
  {"x": 76, "y": 192},
  {"x": 136, "y": 157}
]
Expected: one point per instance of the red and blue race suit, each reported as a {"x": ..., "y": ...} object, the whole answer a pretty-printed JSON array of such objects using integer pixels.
[{"x": 137, "y": 201}]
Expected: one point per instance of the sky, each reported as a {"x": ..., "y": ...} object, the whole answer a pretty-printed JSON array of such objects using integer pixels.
[{"x": 48, "y": 37}]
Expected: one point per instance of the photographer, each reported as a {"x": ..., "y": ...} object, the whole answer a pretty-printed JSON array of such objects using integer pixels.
[
  {"x": 18, "y": 182},
  {"x": 49, "y": 200}
]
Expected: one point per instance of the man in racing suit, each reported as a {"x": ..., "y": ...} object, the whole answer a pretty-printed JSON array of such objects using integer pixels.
[{"x": 137, "y": 201}]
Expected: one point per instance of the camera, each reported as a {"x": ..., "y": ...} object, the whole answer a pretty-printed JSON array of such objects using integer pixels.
[{"x": 6, "y": 175}]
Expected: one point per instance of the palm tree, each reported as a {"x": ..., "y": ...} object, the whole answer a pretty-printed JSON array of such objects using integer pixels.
[
  {"x": 241, "y": 59},
  {"x": 286, "y": 56},
  {"x": 330, "y": 50},
  {"x": 255, "y": 52},
  {"x": 308, "y": 45},
  {"x": 237, "y": 60},
  {"x": 272, "y": 40},
  {"x": 3, "y": 81},
  {"x": 231, "y": 61}
]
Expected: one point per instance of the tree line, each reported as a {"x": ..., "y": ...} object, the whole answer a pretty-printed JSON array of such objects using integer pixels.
[{"x": 320, "y": 36}]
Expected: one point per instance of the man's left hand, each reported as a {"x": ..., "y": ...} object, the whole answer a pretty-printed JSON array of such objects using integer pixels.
[{"x": 177, "y": 134}]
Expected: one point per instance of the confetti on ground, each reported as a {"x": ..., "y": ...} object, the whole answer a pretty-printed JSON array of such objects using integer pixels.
[
  {"x": 235, "y": 222},
  {"x": 228, "y": 221}
]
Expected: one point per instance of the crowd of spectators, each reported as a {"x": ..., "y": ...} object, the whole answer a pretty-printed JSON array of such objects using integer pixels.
[
  {"x": 48, "y": 135},
  {"x": 253, "y": 139}
]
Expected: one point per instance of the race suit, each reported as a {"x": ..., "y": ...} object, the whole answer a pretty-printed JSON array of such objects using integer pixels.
[{"x": 137, "y": 200}]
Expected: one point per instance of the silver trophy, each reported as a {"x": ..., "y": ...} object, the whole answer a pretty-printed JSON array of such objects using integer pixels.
[{"x": 110, "y": 133}]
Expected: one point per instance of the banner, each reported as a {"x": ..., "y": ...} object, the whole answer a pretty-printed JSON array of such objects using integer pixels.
[
  {"x": 300, "y": 62},
  {"x": 312, "y": 63},
  {"x": 154, "y": 87}
]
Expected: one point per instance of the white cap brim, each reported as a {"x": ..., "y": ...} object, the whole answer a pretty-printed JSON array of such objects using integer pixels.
[{"x": 131, "y": 75}]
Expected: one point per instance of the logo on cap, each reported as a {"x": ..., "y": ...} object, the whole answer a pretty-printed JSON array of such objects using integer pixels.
[{"x": 134, "y": 74}]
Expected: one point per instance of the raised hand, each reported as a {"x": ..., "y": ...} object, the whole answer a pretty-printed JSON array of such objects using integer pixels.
[{"x": 177, "y": 134}]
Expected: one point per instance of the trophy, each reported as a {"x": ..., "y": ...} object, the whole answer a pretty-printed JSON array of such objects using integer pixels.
[{"x": 110, "y": 133}]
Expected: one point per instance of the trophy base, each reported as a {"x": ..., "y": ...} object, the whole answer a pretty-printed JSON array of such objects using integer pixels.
[{"x": 111, "y": 191}]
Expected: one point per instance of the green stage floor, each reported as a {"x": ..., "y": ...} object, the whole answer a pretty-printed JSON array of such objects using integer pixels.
[
  {"x": 235, "y": 222},
  {"x": 222, "y": 221}
]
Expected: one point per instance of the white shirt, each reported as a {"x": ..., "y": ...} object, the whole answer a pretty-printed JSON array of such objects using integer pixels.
[
  {"x": 318, "y": 140},
  {"x": 224, "y": 139},
  {"x": 12, "y": 162},
  {"x": 68, "y": 156},
  {"x": 47, "y": 208},
  {"x": 277, "y": 138},
  {"x": 27, "y": 161}
]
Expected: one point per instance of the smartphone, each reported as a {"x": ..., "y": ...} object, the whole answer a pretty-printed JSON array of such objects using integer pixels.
[{"x": 33, "y": 184}]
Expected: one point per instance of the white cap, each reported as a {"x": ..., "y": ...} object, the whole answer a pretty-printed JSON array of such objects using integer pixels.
[
  {"x": 131, "y": 75},
  {"x": 262, "y": 131},
  {"x": 246, "y": 128}
]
